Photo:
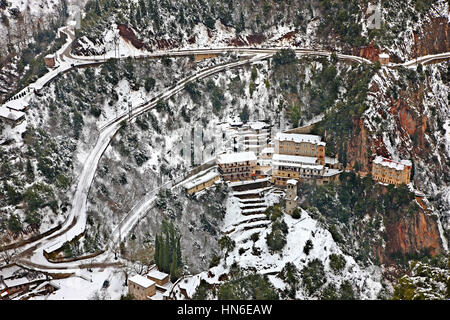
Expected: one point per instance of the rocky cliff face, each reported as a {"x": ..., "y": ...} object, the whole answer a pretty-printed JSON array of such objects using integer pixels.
[
  {"x": 359, "y": 148},
  {"x": 369, "y": 52},
  {"x": 405, "y": 121},
  {"x": 433, "y": 38},
  {"x": 412, "y": 235}
]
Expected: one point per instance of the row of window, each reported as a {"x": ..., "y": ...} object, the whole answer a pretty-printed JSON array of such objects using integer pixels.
[
  {"x": 236, "y": 164},
  {"x": 300, "y": 170}
]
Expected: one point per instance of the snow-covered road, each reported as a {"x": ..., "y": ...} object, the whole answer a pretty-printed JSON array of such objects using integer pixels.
[{"x": 76, "y": 222}]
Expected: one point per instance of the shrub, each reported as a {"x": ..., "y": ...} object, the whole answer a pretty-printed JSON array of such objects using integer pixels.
[
  {"x": 226, "y": 243},
  {"x": 149, "y": 84},
  {"x": 276, "y": 240},
  {"x": 289, "y": 274},
  {"x": 296, "y": 214},
  {"x": 284, "y": 57},
  {"x": 330, "y": 292},
  {"x": 247, "y": 287},
  {"x": 313, "y": 276},
  {"x": 346, "y": 291},
  {"x": 14, "y": 223},
  {"x": 308, "y": 246},
  {"x": 337, "y": 263},
  {"x": 254, "y": 237},
  {"x": 39, "y": 196},
  {"x": 202, "y": 291}
]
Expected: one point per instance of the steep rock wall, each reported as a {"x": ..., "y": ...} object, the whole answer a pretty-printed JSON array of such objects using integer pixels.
[{"x": 412, "y": 235}]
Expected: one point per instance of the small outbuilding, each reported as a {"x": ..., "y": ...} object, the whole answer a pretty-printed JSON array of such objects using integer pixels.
[
  {"x": 383, "y": 58},
  {"x": 11, "y": 116},
  {"x": 50, "y": 60},
  {"x": 201, "y": 183},
  {"x": 141, "y": 288},
  {"x": 160, "y": 278}
]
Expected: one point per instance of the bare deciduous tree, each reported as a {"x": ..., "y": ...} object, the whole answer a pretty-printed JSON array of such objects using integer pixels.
[{"x": 7, "y": 256}]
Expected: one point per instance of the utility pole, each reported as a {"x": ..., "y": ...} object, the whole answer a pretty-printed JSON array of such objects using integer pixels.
[{"x": 130, "y": 109}]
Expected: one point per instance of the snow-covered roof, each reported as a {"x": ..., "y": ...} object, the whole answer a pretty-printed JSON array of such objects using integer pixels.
[
  {"x": 292, "y": 181},
  {"x": 11, "y": 114},
  {"x": 300, "y": 165},
  {"x": 141, "y": 281},
  {"x": 236, "y": 157},
  {"x": 406, "y": 162},
  {"x": 157, "y": 274},
  {"x": 236, "y": 123},
  {"x": 18, "y": 104},
  {"x": 264, "y": 162},
  {"x": 383, "y": 56},
  {"x": 241, "y": 183},
  {"x": 331, "y": 172},
  {"x": 10, "y": 283},
  {"x": 397, "y": 165},
  {"x": 298, "y": 138},
  {"x": 329, "y": 160},
  {"x": 49, "y": 56},
  {"x": 267, "y": 150},
  {"x": 53, "y": 247},
  {"x": 258, "y": 125},
  {"x": 202, "y": 179},
  {"x": 294, "y": 159}
]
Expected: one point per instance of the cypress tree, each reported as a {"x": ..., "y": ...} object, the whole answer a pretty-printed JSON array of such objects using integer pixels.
[
  {"x": 166, "y": 256},
  {"x": 161, "y": 253},
  {"x": 174, "y": 268},
  {"x": 158, "y": 264},
  {"x": 171, "y": 235},
  {"x": 29, "y": 171},
  {"x": 179, "y": 261}
]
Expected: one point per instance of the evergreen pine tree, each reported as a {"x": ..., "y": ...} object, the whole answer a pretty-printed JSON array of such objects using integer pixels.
[
  {"x": 161, "y": 253},
  {"x": 97, "y": 8},
  {"x": 138, "y": 16},
  {"x": 143, "y": 8}
]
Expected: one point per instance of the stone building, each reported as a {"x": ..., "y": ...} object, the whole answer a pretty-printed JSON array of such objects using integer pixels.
[
  {"x": 383, "y": 58},
  {"x": 141, "y": 288},
  {"x": 302, "y": 157},
  {"x": 291, "y": 196},
  {"x": 201, "y": 183},
  {"x": 286, "y": 167},
  {"x": 391, "y": 172},
  {"x": 237, "y": 166},
  {"x": 301, "y": 145},
  {"x": 160, "y": 278},
  {"x": 11, "y": 116},
  {"x": 254, "y": 136},
  {"x": 50, "y": 60}
]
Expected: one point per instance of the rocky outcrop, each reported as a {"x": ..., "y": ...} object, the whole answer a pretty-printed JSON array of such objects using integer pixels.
[
  {"x": 433, "y": 38},
  {"x": 411, "y": 235},
  {"x": 369, "y": 52},
  {"x": 358, "y": 148},
  {"x": 128, "y": 35}
]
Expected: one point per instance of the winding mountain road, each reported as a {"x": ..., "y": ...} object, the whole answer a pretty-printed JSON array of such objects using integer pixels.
[{"x": 32, "y": 254}]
